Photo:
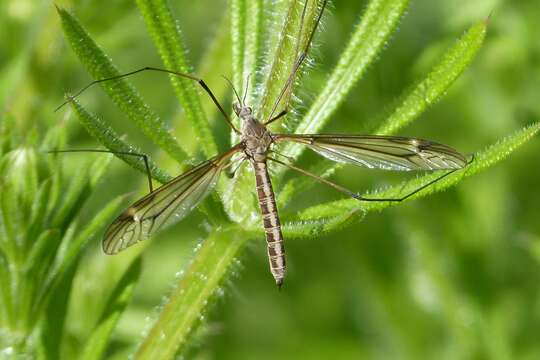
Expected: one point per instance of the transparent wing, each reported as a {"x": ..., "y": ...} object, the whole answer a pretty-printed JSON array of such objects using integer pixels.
[
  {"x": 165, "y": 206},
  {"x": 383, "y": 152}
]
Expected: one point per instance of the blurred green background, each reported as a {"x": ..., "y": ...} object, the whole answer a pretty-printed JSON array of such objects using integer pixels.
[{"x": 451, "y": 276}]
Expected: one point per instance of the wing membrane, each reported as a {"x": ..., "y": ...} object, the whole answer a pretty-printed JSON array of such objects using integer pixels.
[
  {"x": 166, "y": 205},
  {"x": 383, "y": 152}
]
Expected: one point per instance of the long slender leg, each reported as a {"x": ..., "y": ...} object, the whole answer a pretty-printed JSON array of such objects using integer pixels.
[
  {"x": 150, "y": 68},
  {"x": 142, "y": 156},
  {"x": 300, "y": 59},
  {"x": 355, "y": 195},
  {"x": 281, "y": 114}
]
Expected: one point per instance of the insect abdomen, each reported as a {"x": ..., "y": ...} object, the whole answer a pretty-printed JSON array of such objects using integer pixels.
[{"x": 272, "y": 226}]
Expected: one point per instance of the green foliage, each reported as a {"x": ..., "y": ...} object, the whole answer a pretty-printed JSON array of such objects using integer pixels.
[
  {"x": 123, "y": 94},
  {"x": 40, "y": 240},
  {"x": 197, "y": 285},
  {"x": 165, "y": 34},
  {"x": 116, "y": 304},
  {"x": 359, "y": 296},
  {"x": 107, "y": 136},
  {"x": 430, "y": 89}
]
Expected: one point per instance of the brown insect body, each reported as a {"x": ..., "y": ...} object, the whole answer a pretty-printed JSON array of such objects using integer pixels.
[{"x": 256, "y": 140}]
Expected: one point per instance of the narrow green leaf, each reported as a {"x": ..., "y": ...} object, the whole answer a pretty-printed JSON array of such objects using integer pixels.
[
  {"x": 430, "y": 89},
  {"x": 39, "y": 211},
  {"x": 310, "y": 227},
  {"x": 21, "y": 165},
  {"x": 246, "y": 35},
  {"x": 274, "y": 18},
  {"x": 245, "y": 48},
  {"x": 166, "y": 36},
  {"x": 11, "y": 220},
  {"x": 79, "y": 190},
  {"x": 42, "y": 253},
  {"x": 55, "y": 138},
  {"x": 237, "y": 9},
  {"x": 6, "y": 295},
  {"x": 291, "y": 43},
  {"x": 71, "y": 250},
  {"x": 19, "y": 188},
  {"x": 253, "y": 47},
  {"x": 74, "y": 197},
  {"x": 120, "y": 91},
  {"x": 119, "y": 299},
  {"x": 52, "y": 319},
  {"x": 482, "y": 161},
  {"x": 108, "y": 138},
  {"x": 54, "y": 170},
  {"x": 373, "y": 31},
  {"x": 35, "y": 269},
  {"x": 195, "y": 288},
  {"x": 7, "y": 129},
  {"x": 215, "y": 62}
]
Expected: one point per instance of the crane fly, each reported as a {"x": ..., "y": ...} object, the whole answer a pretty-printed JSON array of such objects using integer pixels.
[{"x": 175, "y": 199}]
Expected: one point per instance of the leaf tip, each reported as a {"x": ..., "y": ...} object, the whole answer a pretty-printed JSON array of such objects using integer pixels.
[{"x": 60, "y": 10}]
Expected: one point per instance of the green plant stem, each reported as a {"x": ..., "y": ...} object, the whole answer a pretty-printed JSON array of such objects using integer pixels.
[{"x": 189, "y": 300}]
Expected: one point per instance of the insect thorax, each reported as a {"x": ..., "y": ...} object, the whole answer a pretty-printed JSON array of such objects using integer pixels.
[{"x": 255, "y": 136}]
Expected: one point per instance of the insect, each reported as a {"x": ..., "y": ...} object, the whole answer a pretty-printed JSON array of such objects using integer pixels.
[{"x": 175, "y": 199}]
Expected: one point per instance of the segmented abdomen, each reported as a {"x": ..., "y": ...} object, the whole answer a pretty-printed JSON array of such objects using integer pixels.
[{"x": 272, "y": 226}]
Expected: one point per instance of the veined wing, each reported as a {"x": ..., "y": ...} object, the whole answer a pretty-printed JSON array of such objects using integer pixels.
[
  {"x": 383, "y": 152},
  {"x": 166, "y": 205}
]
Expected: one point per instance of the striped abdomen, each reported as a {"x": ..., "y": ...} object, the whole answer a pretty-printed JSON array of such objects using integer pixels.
[{"x": 272, "y": 226}]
